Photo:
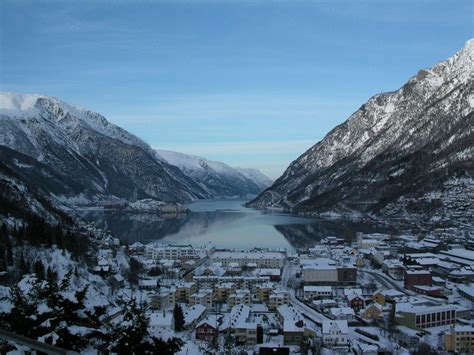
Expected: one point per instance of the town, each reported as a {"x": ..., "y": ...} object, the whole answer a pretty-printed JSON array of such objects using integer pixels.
[{"x": 377, "y": 294}]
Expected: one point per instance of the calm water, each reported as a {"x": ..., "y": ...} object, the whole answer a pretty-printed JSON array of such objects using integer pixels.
[{"x": 226, "y": 224}]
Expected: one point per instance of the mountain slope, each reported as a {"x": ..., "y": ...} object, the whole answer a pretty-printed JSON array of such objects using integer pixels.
[
  {"x": 217, "y": 178},
  {"x": 101, "y": 158},
  {"x": 256, "y": 176},
  {"x": 399, "y": 149}
]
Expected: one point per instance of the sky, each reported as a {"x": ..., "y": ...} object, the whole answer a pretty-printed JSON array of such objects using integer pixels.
[{"x": 249, "y": 83}]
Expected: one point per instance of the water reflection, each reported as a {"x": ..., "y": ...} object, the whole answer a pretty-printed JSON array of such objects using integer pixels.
[{"x": 227, "y": 224}]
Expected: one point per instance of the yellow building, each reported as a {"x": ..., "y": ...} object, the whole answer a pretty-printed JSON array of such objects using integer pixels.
[{"x": 460, "y": 339}]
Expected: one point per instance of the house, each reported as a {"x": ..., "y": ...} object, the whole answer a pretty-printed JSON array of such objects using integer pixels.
[
  {"x": 193, "y": 315},
  {"x": 384, "y": 296},
  {"x": 372, "y": 312},
  {"x": 208, "y": 328},
  {"x": 335, "y": 333},
  {"x": 346, "y": 313},
  {"x": 355, "y": 301}
]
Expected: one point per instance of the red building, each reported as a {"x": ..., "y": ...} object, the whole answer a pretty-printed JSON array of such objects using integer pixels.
[
  {"x": 207, "y": 330},
  {"x": 355, "y": 302},
  {"x": 417, "y": 277}
]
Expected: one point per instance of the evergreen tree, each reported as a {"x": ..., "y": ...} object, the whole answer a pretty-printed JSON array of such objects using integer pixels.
[
  {"x": 38, "y": 269},
  {"x": 178, "y": 318},
  {"x": 132, "y": 334},
  {"x": 51, "y": 275}
]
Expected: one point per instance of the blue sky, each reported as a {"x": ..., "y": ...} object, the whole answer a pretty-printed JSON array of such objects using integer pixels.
[{"x": 250, "y": 83}]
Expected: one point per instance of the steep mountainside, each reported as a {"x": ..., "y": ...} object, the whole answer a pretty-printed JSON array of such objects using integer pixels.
[
  {"x": 256, "y": 176},
  {"x": 217, "y": 178},
  {"x": 92, "y": 157},
  {"x": 402, "y": 153}
]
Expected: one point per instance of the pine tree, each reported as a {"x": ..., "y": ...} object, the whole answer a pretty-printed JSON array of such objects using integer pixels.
[
  {"x": 178, "y": 318},
  {"x": 132, "y": 334},
  {"x": 38, "y": 269},
  {"x": 51, "y": 275}
]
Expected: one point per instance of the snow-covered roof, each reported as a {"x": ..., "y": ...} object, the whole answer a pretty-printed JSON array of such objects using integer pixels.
[
  {"x": 335, "y": 325},
  {"x": 193, "y": 313}
]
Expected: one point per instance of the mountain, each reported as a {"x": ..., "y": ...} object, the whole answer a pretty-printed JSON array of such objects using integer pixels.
[
  {"x": 82, "y": 157},
  {"x": 217, "y": 178},
  {"x": 402, "y": 153},
  {"x": 256, "y": 176}
]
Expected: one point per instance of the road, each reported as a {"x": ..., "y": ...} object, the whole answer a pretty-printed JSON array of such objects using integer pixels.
[{"x": 385, "y": 280}]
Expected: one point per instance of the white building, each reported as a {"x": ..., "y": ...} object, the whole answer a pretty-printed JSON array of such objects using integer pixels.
[
  {"x": 172, "y": 252},
  {"x": 335, "y": 333},
  {"x": 262, "y": 259},
  {"x": 319, "y": 270},
  {"x": 312, "y": 292}
]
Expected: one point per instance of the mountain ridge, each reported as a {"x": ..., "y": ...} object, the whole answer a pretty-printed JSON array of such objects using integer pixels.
[{"x": 385, "y": 149}]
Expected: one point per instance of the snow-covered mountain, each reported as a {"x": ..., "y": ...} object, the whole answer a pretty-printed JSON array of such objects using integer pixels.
[
  {"x": 86, "y": 156},
  {"x": 217, "y": 178},
  {"x": 256, "y": 176},
  {"x": 402, "y": 153}
]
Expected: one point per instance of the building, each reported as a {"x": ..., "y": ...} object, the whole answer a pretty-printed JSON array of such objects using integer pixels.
[
  {"x": 172, "y": 252},
  {"x": 347, "y": 274},
  {"x": 467, "y": 291},
  {"x": 278, "y": 298},
  {"x": 273, "y": 274},
  {"x": 346, "y": 313},
  {"x": 323, "y": 271},
  {"x": 372, "y": 312},
  {"x": 460, "y": 339},
  {"x": 263, "y": 291},
  {"x": 184, "y": 290},
  {"x": 355, "y": 301},
  {"x": 319, "y": 271},
  {"x": 316, "y": 292},
  {"x": 223, "y": 291},
  {"x": 208, "y": 328},
  {"x": 202, "y": 297},
  {"x": 384, "y": 296},
  {"x": 240, "y": 296},
  {"x": 237, "y": 324},
  {"x": 335, "y": 333},
  {"x": 164, "y": 298},
  {"x": 193, "y": 315},
  {"x": 420, "y": 317},
  {"x": 295, "y": 329},
  {"x": 417, "y": 277},
  {"x": 262, "y": 259}
]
